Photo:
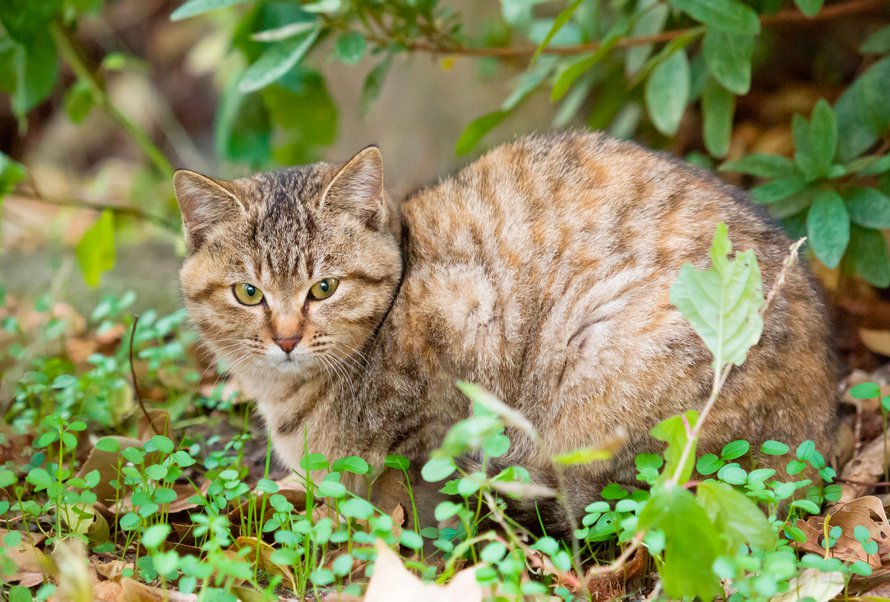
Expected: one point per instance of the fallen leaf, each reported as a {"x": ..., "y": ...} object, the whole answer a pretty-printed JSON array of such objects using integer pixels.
[
  {"x": 868, "y": 512},
  {"x": 133, "y": 591},
  {"x": 813, "y": 584},
  {"x": 107, "y": 465},
  {"x": 75, "y": 581},
  {"x": 253, "y": 545},
  {"x": 876, "y": 340},
  {"x": 392, "y": 582},
  {"x": 864, "y": 470}
]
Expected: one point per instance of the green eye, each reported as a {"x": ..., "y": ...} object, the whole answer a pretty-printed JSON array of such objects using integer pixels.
[
  {"x": 247, "y": 294},
  {"x": 323, "y": 288}
]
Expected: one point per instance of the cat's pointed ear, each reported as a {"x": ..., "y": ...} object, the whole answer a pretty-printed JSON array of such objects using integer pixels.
[
  {"x": 204, "y": 203},
  {"x": 358, "y": 187}
]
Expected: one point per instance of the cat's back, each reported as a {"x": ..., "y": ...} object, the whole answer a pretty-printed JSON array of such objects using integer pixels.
[{"x": 542, "y": 271}]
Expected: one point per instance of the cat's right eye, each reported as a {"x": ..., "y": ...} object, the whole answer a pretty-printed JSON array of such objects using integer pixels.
[{"x": 247, "y": 294}]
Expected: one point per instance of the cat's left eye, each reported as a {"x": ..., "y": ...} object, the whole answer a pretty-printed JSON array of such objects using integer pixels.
[{"x": 324, "y": 288}]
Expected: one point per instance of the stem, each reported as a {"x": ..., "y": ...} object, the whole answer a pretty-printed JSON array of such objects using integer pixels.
[
  {"x": 136, "y": 393},
  {"x": 70, "y": 51},
  {"x": 884, "y": 435},
  {"x": 91, "y": 206}
]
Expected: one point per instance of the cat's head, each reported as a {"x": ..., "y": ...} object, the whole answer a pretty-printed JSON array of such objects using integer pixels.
[{"x": 290, "y": 270}]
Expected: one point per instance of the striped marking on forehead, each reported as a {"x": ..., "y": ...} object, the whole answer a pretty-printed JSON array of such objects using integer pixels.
[{"x": 284, "y": 228}]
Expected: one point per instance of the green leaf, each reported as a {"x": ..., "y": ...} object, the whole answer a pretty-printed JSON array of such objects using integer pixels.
[
  {"x": 806, "y": 506},
  {"x": 36, "y": 72},
  {"x": 351, "y": 464},
  {"x": 867, "y": 390},
  {"x": 275, "y": 62},
  {"x": 877, "y": 43},
  {"x": 193, "y": 8},
  {"x": 667, "y": 92},
  {"x": 728, "y": 57},
  {"x": 723, "y": 302},
  {"x": 735, "y": 449},
  {"x": 357, "y": 508},
  {"x": 868, "y": 207},
  {"x": 718, "y": 107},
  {"x": 733, "y": 474},
  {"x": 675, "y": 432},
  {"x": 155, "y": 535},
  {"x": 828, "y": 227},
  {"x": 863, "y": 113},
  {"x": 397, "y": 462},
  {"x": 411, "y": 540},
  {"x": 493, "y": 552},
  {"x": 11, "y": 173},
  {"x": 650, "y": 22},
  {"x": 350, "y": 47},
  {"x": 815, "y": 142},
  {"x": 95, "y": 251},
  {"x": 437, "y": 469},
  {"x": 374, "y": 83},
  {"x": 342, "y": 565},
  {"x": 314, "y": 461},
  {"x": 708, "y": 464},
  {"x": 774, "y": 448},
  {"x": 777, "y": 190},
  {"x": 809, "y": 7},
  {"x": 867, "y": 256},
  {"x": 242, "y": 129},
  {"x": 691, "y": 543},
  {"x": 561, "y": 19},
  {"x": 612, "y": 491},
  {"x": 725, "y": 15},
  {"x": 476, "y": 129},
  {"x": 761, "y": 165},
  {"x": 40, "y": 478},
  {"x": 736, "y": 516},
  {"x": 78, "y": 101}
]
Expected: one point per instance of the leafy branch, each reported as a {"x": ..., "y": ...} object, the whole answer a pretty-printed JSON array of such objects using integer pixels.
[
  {"x": 72, "y": 54},
  {"x": 782, "y": 18}
]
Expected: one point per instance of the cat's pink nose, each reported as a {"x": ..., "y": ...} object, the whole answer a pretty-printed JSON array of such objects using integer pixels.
[{"x": 288, "y": 344}]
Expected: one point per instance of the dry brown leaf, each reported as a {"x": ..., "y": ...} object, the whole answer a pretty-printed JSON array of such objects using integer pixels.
[
  {"x": 814, "y": 584},
  {"x": 876, "y": 340},
  {"x": 113, "y": 569},
  {"x": 107, "y": 591},
  {"x": 107, "y": 465},
  {"x": 75, "y": 580},
  {"x": 864, "y": 470},
  {"x": 133, "y": 591},
  {"x": 392, "y": 582},
  {"x": 252, "y": 544},
  {"x": 26, "y": 556},
  {"x": 868, "y": 512}
]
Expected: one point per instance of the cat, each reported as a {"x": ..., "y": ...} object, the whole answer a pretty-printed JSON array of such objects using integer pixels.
[{"x": 541, "y": 272}]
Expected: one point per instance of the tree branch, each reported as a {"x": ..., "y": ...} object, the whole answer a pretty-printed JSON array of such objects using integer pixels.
[
  {"x": 781, "y": 18},
  {"x": 157, "y": 220}
]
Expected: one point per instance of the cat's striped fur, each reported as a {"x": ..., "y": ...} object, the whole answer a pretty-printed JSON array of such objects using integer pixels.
[{"x": 541, "y": 272}]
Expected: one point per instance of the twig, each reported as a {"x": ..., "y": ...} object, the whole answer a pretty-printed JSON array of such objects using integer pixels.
[
  {"x": 98, "y": 206},
  {"x": 136, "y": 392},
  {"x": 721, "y": 376},
  {"x": 782, "y": 18},
  {"x": 70, "y": 52}
]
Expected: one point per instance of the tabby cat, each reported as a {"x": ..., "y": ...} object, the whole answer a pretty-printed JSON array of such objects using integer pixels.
[{"x": 541, "y": 271}]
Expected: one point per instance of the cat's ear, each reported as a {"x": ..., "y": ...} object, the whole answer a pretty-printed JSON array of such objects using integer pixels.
[
  {"x": 358, "y": 187},
  {"x": 204, "y": 203}
]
